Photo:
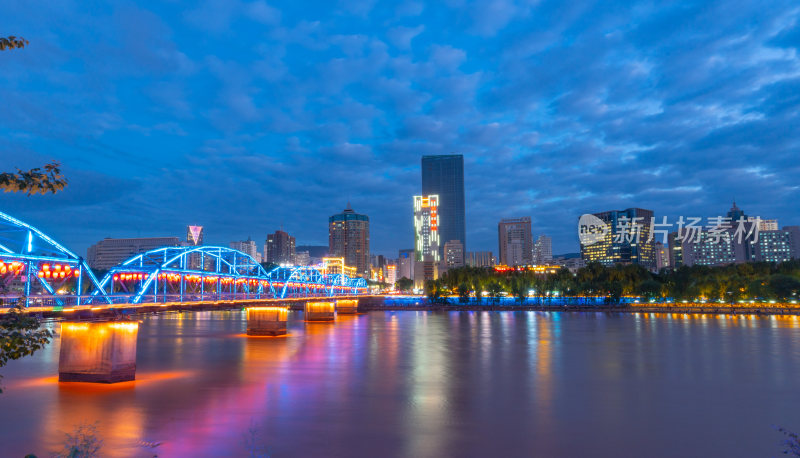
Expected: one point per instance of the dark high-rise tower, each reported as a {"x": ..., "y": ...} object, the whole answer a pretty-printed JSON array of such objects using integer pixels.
[
  {"x": 444, "y": 176},
  {"x": 348, "y": 238}
]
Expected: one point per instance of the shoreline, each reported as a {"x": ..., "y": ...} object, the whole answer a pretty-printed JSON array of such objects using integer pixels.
[{"x": 697, "y": 309}]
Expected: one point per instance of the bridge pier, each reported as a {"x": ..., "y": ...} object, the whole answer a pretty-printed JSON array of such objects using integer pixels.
[
  {"x": 320, "y": 311},
  {"x": 99, "y": 352},
  {"x": 267, "y": 321},
  {"x": 347, "y": 306}
]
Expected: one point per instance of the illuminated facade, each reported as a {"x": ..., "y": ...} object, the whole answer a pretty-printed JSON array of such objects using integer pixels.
[
  {"x": 391, "y": 275},
  {"x": 626, "y": 242},
  {"x": 777, "y": 245},
  {"x": 426, "y": 228},
  {"x": 515, "y": 241},
  {"x": 348, "y": 237},
  {"x": 443, "y": 176},
  {"x": 332, "y": 266},
  {"x": 194, "y": 235}
]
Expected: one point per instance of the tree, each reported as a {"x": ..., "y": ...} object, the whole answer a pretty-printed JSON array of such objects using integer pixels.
[
  {"x": 495, "y": 288},
  {"x": 34, "y": 181},
  {"x": 463, "y": 293},
  {"x": 783, "y": 286},
  {"x": 404, "y": 284},
  {"x": 20, "y": 335},
  {"x": 12, "y": 42},
  {"x": 433, "y": 289},
  {"x": 650, "y": 289},
  {"x": 520, "y": 286}
]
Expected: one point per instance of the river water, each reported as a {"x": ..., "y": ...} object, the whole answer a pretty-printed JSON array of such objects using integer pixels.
[{"x": 428, "y": 384}]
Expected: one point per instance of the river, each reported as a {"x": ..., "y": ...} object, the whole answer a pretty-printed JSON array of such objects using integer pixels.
[{"x": 428, "y": 384}]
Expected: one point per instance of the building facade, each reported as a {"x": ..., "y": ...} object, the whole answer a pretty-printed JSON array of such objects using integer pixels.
[
  {"x": 626, "y": 242},
  {"x": 426, "y": 228},
  {"x": 480, "y": 259},
  {"x": 543, "y": 251},
  {"x": 247, "y": 246},
  {"x": 279, "y": 248},
  {"x": 302, "y": 258},
  {"x": 454, "y": 254},
  {"x": 405, "y": 264},
  {"x": 348, "y": 238},
  {"x": 443, "y": 176},
  {"x": 776, "y": 245},
  {"x": 515, "y": 241},
  {"x": 107, "y": 253}
]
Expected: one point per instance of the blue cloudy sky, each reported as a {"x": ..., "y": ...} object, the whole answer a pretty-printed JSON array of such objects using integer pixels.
[{"x": 245, "y": 115}]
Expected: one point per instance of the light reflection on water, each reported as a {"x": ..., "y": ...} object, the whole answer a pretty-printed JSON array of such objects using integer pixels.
[{"x": 430, "y": 384}]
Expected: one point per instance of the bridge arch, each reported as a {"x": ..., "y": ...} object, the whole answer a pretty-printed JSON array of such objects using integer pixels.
[{"x": 38, "y": 269}]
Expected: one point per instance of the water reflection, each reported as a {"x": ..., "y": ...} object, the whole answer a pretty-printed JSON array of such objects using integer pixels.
[{"x": 430, "y": 384}]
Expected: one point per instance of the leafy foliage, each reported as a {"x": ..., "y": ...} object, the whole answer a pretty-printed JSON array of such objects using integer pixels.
[
  {"x": 34, "y": 181},
  {"x": 12, "y": 42},
  {"x": 20, "y": 335},
  {"x": 404, "y": 284},
  {"x": 791, "y": 442},
  {"x": 752, "y": 281}
]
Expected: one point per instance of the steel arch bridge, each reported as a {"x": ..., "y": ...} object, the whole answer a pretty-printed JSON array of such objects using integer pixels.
[
  {"x": 205, "y": 273},
  {"x": 38, "y": 271}
]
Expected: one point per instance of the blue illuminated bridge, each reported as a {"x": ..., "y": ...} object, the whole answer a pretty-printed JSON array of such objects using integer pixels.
[{"x": 40, "y": 272}]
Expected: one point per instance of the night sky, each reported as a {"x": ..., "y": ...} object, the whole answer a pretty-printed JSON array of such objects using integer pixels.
[{"x": 245, "y": 116}]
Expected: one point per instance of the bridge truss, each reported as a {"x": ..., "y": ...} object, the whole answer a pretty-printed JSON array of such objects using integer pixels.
[
  {"x": 37, "y": 270},
  {"x": 202, "y": 273}
]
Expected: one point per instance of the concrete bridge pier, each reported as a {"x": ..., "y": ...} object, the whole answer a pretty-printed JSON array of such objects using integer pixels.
[
  {"x": 99, "y": 352},
  {"x": 267, "y": 321},
  {"x": 320, "y": 311},
  {"x": 347, "y": 306}
]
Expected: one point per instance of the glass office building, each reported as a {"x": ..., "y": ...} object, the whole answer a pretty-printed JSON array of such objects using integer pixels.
[{"x": 444, "y": 176}]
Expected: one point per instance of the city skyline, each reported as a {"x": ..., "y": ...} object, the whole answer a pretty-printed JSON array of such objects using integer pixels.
[{"x": 187, "y": 129}]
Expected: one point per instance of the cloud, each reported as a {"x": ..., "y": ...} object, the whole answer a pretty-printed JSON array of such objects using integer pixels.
[
  {"x": 214, "y": 114},
  {"x": 401, "y": 36}
]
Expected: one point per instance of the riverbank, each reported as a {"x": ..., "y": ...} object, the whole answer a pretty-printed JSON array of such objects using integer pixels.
[{"x": 690, "y": 308}]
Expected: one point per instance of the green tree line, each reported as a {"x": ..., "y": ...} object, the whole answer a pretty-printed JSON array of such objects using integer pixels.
[{"x": 731, "y": 283}]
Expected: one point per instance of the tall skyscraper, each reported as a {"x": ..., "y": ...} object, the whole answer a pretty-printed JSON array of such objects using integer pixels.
[
  {"x": 279, "y": 248},
  {"x": 443, "y": 176},
  {"x": 515, "y": 241},
  {"x": 107, "y": 253},
  {"x": 621, "y": 244},
  {"x": 426, "y": 228},
  {"x": 543, "y": 250},
  {"x": 426, "y": 239},
  {"x": 348, "y": 238}
]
